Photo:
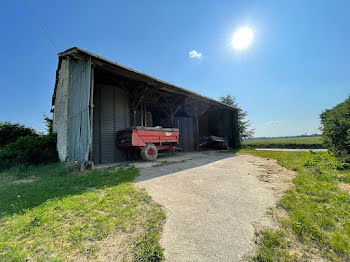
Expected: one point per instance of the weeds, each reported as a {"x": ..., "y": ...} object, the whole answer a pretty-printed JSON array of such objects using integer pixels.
[
  {"x": 148, "y": 249},
  {"x": 318, "y": 210},
  {"x": 272, "y": 247}
]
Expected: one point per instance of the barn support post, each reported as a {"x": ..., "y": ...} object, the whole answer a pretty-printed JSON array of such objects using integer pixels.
[
  {"x": 141, "y": 107},
  {"x": 145, "y": 114},
  {"x": 173, "y": 111},
  {"x": 134, "y": 113},
  {"x": 141, "y": 114},
  {"x": 92, "y": 85}
]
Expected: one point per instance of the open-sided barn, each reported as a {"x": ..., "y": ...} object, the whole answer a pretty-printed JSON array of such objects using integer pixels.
[{"x": 95, "y": 97}]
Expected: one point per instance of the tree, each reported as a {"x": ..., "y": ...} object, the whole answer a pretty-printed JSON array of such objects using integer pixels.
[
  {"x": 244, "y": 125},
  {"x": 49, "y": 124},
  {"x": 335, "y": 127}
]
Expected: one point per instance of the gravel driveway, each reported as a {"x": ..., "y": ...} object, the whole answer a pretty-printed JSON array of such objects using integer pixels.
[{"x": 214, "y": 203}]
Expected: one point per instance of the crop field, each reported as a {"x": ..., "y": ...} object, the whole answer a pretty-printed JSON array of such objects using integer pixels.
[{"x": 298, "y": 142}]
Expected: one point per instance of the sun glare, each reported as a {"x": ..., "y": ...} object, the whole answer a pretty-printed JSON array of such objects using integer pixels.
[{"x": 242, "y": 38}]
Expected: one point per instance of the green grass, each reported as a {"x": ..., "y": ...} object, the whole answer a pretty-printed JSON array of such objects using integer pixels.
[
  {"x": 318, "y": 209},
  {"x": 273, "y": 247},
  {"x": 65, "y": 215},
  {"x": 299, "y": 142}
]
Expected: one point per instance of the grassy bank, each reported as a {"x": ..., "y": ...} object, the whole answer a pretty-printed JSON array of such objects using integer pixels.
[
  {"x": 317, "y": 210},
  {"x": 298, "y": 142},
  {"x": 54, "y": 213}
]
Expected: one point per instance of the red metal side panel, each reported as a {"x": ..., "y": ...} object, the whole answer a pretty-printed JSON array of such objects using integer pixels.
[
  {"x": 136, "y": 140},
  {"x": 149, "y": 136},
  {"x": 171, "y": 137},
  {"x": 142, "y": 137}
]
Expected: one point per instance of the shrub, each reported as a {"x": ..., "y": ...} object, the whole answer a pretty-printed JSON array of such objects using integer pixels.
[
  {"x": 336, "y": 129},
  {"x": 10, "y": 133},
  {"x": 29, "y": 150}
]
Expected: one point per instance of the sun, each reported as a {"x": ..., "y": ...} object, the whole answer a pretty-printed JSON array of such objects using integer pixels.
[{"x": 242, "y": 38}]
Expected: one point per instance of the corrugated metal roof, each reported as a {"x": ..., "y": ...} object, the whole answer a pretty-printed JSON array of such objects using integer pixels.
[{"x": 170, "y": 87}]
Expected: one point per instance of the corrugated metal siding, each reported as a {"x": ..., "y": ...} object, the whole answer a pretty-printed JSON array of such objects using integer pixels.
[
  {"x": 79, "y": 121},
  {"x": 121, "y": 119},
  {"x": 187, "y": 129},
  {"x": 107, "y": 125},
  {"x": 96, "y": 152},
  {"x": 191, "y": 134},
  {"x": 111, "y": 113}
]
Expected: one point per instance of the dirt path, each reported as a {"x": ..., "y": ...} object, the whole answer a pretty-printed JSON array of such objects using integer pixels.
[{"x": 214, "y": 202}]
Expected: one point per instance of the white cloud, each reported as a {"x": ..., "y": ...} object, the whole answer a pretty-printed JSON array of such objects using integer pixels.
[
  {"x": 194, "y": 54},
  {"x": 272, "y": 123}
]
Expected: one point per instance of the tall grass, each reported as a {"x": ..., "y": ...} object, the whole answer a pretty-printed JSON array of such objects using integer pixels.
[{"x": 318, "y": 209}]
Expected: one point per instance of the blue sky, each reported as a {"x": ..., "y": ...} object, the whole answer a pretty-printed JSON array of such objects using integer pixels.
[{"x": 297, "y": 65}]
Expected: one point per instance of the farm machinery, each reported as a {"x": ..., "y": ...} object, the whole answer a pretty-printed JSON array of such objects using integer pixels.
[{"x": 147, "y": 141}]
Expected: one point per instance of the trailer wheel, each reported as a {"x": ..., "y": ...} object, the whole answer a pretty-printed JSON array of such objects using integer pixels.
[{"x": 149, "y": 152}]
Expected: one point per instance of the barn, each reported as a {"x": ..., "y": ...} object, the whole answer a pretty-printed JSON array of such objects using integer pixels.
[{"x": 94, "y": 98}]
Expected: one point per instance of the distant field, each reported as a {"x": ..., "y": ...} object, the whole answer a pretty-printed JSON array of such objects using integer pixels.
[{"x": 299, "y": 142}]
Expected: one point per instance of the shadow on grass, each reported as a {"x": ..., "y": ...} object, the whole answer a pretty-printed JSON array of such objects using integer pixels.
[{"x": 54, "y": 181}]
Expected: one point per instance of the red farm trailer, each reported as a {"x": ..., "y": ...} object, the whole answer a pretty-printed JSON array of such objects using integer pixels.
[{"x": 147, "y": 141}]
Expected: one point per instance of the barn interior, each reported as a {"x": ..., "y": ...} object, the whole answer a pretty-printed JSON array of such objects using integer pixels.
[{"x": 123, "y": 98}]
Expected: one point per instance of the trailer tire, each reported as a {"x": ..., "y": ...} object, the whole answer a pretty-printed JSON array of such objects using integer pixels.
[{"x": 149, "y": 152}]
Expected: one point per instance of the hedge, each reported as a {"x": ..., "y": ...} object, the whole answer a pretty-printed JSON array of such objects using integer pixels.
[
  {"x": 336, "y": 129},
  {"x": 10, "y": 133},
  {"x": 29, "y": 150}
]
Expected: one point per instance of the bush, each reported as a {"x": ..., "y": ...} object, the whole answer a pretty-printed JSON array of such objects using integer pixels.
[
  {"x": 336, "y": 129},
  {"x": 29, "y": 150},
  {"x": 10, "y": 133}
]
